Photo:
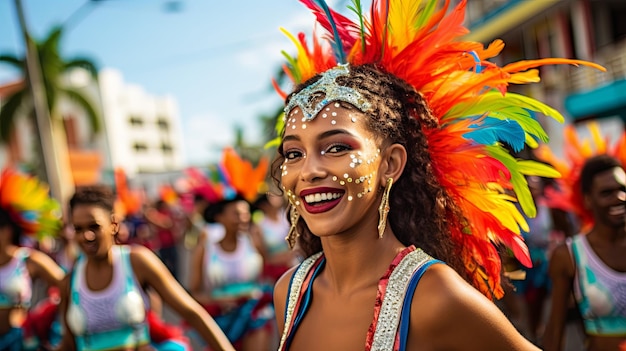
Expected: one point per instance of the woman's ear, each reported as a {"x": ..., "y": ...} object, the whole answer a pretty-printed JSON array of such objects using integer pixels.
[
  {"x": 115, "y": 223},
  {"x": 393, "y": 163}
]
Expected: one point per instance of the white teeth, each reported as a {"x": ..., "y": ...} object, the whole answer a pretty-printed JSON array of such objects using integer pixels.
[
  {"x": 318, "y": 197},
  {"x": 617, "y": 210}
]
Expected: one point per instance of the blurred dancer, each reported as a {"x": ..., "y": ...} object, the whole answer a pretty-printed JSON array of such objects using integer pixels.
[
  {"x": 226, "y": 267},
  {"x": 104, "y": 302},
  {"x": 591, "y": 265},
  {"x": 25, "y": 209}
]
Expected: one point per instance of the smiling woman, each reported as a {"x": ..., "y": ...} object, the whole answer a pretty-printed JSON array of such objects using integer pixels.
[
  {"x": 392, "y": 158},
  {"x": 104, "y": 300}
]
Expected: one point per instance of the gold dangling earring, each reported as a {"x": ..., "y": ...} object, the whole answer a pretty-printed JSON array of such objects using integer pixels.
[
  {"x": 293, "y": 234},
  {"x": 383, "y": 209}
]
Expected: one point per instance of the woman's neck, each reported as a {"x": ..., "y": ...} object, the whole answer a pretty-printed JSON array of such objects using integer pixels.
[
  {"x": 353, "y": 263},
  {"x": 102, "y": 261},
  {"x": 608, "y": 234}
]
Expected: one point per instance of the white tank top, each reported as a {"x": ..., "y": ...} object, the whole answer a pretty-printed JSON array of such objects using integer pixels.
[{"x": 232, "y": 273}]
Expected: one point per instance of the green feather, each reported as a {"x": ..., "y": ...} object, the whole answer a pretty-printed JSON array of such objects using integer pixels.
[
  {"x": 520, "y": 186},
  {"x": 426, "y": 14},
  {"x": 510, "y": 106},
  {"x": 358, "y": 10},
  {"x": 297, "y": 76}
]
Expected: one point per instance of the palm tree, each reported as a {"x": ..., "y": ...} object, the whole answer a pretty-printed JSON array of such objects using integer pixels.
[{"x": 54, "y": 69}]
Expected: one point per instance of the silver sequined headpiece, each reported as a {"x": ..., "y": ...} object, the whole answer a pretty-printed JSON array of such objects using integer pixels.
[{"x": 327, "y": 84}]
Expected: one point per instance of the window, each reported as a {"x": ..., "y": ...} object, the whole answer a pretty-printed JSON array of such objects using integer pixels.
[
  {"x": 166, "y": 148},
  {"x": 140, "y": 147},
  {"x": 163, "y": 124},
  {"x": 135, "y": 121}
]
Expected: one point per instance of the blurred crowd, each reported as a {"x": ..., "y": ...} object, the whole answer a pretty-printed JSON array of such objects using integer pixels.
[{"x": 223, "y": 242}]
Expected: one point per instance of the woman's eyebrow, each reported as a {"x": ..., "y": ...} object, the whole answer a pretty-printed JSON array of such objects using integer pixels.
[
  {"x": 334, "y": 132},
  {"x": 326, "y": 134}
]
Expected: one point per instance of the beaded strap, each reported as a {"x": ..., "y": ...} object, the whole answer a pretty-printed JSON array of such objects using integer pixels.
[
  {"x": 390, "y": 311},
  {"x": 295, "y": 288}
]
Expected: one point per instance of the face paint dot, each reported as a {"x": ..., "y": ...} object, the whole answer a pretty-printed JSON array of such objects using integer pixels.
[
  {"x": 334, "y": 114},
  {"x": 337, "y": 104},
  {"x": 324, "y": 115},
  {"x": 353, "y": 120},
  {"x": 327, "y": 108},
  {"x": 333, "y": 122},
  {"x": 293, "y": 126},
  {"x": 322, "y": 152},
  {"x": 349, "y": 180},
  {"x": 304, "y": 126},
  {"x": 342, "y": 182},
  {"x": 345, "y": 175},
  {"x": 350, "y": 198},
  {"x": 357, "y": 181},
  {"x": 352, "y": 165},
  {"x": 335, "y": 178},
  {"x": 297, "y": 203},
  {"x": 359, "y": 195}
]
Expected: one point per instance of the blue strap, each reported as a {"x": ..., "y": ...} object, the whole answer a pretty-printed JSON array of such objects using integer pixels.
[
  {"x": 74, "y": 291},
  {"x": 128, "y": 269},
  {"x": 405, "y": 315},
  {"x": 304, "y": 305}
]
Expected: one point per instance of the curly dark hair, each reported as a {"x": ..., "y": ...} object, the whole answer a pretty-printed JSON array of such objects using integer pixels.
[
  {"x": 7, "y": 221},
  {"x": 97, "y": 195},
  {"x": 398, "y": 114},
  {"x": 592, "y": 167},
  {"x": 214, "y": 209}
]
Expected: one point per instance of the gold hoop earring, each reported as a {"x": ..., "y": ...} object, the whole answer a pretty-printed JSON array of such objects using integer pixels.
[
  {"x": 293, "y": 234},
  {"x": 383, "y": 209}
]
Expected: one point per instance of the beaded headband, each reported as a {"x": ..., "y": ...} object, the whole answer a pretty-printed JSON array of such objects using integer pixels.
[
  {"x": 421, "y": 43},
  {"x": 327, "y": 84}
]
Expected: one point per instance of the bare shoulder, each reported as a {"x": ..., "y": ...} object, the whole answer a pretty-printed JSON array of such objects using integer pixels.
[
  {"x": 561, "y": 261},
  {"x": 447, "y": 312},
  {"x": 281, "y": 290},
  {"x": 43, "y": 266},
  {"x": 142, "y": 255},
  {"x": 143, "y": 261}
]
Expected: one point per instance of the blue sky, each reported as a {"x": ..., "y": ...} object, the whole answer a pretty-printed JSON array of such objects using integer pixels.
[{"x": 215, "y": 57}]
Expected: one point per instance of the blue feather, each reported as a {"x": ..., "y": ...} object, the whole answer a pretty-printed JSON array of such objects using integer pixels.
[
  {"x": 340, "y": 55},
  {"x": 490, "y": 130}
]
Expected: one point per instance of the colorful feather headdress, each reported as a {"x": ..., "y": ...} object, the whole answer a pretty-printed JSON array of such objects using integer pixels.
[
  {"x": 28, "y": 203},
  {"x": 567, "y": 195},
  {"x": 232, "y": 176},
  {"x": 419, "y": 42}
]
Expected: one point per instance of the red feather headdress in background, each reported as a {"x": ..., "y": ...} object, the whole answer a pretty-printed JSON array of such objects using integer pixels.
[{"x": 567, "y": 196}]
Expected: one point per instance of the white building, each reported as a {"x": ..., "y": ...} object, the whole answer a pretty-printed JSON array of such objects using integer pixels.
[{"x": 143, "y": 131}]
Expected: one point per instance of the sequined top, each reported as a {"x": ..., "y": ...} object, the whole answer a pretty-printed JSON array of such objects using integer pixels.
[
  {"x": 389, "y": 328},
  {"x": 599, "y": 290}
]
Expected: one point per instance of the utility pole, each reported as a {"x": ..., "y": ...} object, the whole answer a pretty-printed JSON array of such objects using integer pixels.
[{"x": 42, "y": 113}]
